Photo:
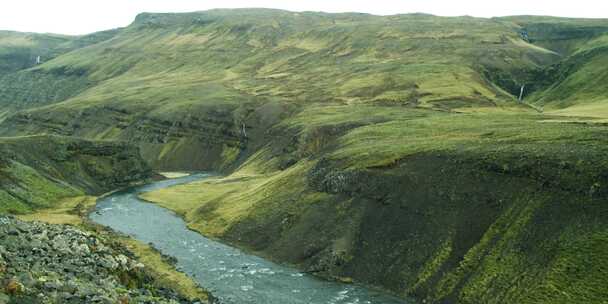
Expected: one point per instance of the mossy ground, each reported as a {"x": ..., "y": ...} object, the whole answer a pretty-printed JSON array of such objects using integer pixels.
[
  {"x": 390, "y": 149},
  {"x": 70, "y": 210}
]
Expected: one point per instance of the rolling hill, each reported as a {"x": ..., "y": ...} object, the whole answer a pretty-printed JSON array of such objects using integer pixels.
[
  {"x": 20, "y": 52},
  {"x": 217, "y": 70},
  {"x": 388, "y": 149}
]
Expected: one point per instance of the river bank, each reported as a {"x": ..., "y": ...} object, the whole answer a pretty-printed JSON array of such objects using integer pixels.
[
  {"x": 231, "y": 275},
  {"x": 51, "y": 263},
  {"x": 159, "y": 269}
]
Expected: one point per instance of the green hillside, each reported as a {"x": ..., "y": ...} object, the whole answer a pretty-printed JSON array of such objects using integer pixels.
[
  {"x": 19, "y": 51},
  {"x": 581, "y": 79},
  {"x": 388, "y": 149},
  {"x": 561, "y": 35},
  {"x": 21, "y": 83},
  {"x": 180, "y": 83},
  {"x": 37, "y": 171},
  {"x": 276, "y": 55},
  {"x": 577, "y": 80}
]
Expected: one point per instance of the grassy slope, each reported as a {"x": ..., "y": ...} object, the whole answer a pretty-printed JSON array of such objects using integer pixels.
[
  {"x": 461, "y": 207},
  {"x": 279, "y": 55},
  {"x": 575, "y": 85},
  {"x": 386, "y": 149},
  {"x": 562, "y": 35},
  {"x": 22, "y": 84},
  {"x": 18, "y": 51},
  {"x": 179, "y": 83},
  {"x": 582, "y": 80},
  {"x": 38, "y": 171}
]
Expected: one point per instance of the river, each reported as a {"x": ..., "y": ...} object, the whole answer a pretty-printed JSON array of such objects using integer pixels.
[{"x": 230, "y": 274}]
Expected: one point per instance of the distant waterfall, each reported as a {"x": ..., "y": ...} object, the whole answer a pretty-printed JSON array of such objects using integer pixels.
[
  {"x": 244, "y": 131},
  {"x": 521, "y": 93}
]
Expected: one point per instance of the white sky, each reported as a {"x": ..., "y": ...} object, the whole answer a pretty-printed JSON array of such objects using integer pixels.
[{"x": 86, "y": 16}]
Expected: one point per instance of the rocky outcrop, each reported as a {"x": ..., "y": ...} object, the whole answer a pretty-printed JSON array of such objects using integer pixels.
[{"x": 42, "y": 263}]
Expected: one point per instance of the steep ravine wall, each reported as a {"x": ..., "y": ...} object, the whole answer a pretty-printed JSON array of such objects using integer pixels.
[
  {"x": 214, "y": 138},
  {"x": 494, "y": 224},
  {"x": 441, "y": 227},
  {"x": 446, "y": 227},
  {"x": 37, "y": 171}
]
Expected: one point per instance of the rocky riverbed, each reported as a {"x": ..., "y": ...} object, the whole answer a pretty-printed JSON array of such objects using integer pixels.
[{"x": 43, "y": 263}]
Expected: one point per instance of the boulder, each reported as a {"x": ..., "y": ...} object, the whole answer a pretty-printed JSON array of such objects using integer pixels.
[
  {"x": 14, "y": 287},
  {"x": 57, "y": 264}
]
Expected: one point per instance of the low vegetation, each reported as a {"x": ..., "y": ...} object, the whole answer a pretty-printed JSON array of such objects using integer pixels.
[
  {"x": 462, "y": 206},
  {"x": 38, "y": 171},
  {"x": 388, "y": 149},
  {"x": 45, "y": 178}
]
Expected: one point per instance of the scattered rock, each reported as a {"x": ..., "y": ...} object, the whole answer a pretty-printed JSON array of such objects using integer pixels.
[
  {"x": 345, "y": 280},
  {"x": 61, "y": 264}
]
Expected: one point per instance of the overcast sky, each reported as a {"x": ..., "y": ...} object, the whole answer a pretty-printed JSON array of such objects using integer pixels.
[{"x": 86, "y": 16}]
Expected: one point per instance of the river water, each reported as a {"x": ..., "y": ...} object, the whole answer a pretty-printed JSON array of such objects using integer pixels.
[{"x": 230, "y": 274}]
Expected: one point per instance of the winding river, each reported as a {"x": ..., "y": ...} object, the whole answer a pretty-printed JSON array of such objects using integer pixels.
[{"x": 230, "y": 274}]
